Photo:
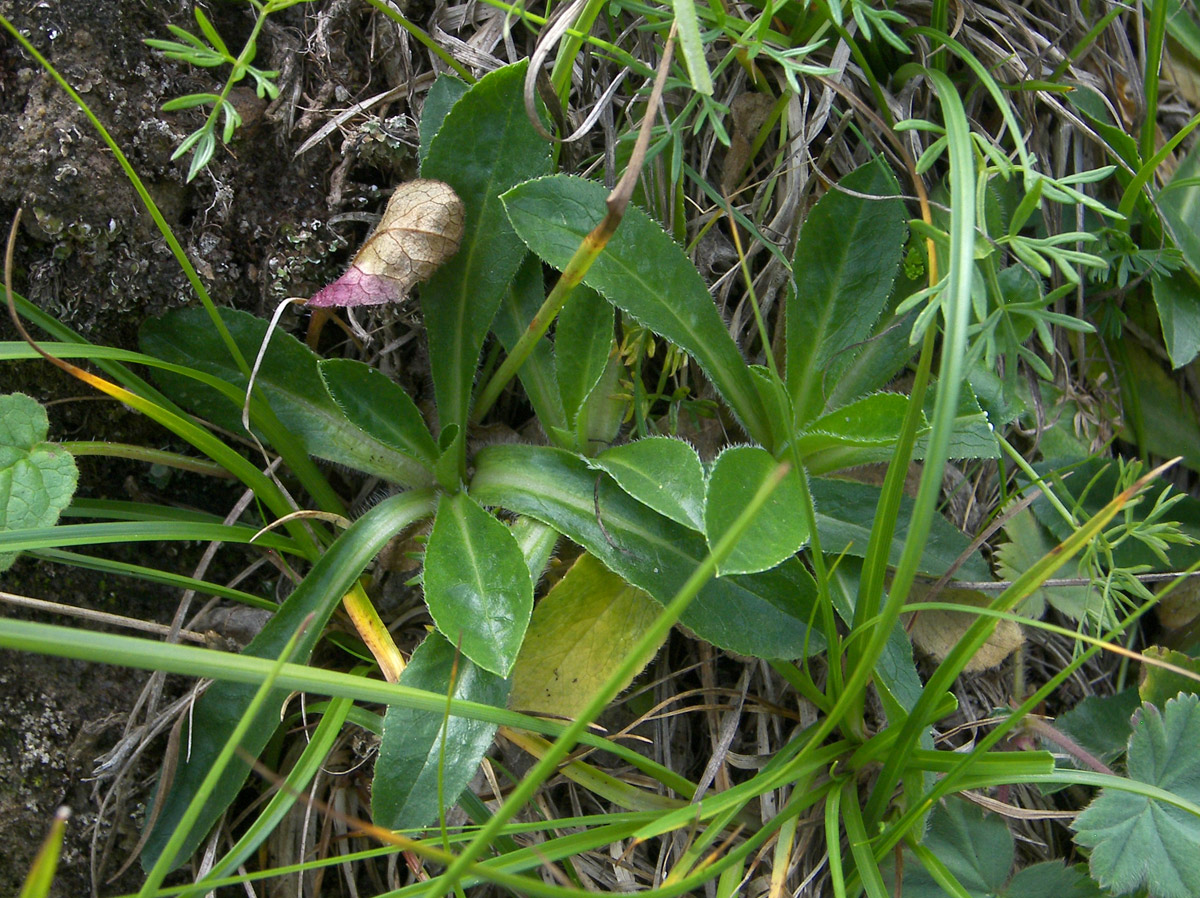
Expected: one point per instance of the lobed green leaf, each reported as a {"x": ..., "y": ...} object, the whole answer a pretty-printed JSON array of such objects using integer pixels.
[
  {"x": 37, "y": 478},
  {"x": 1138, "y": 841}
]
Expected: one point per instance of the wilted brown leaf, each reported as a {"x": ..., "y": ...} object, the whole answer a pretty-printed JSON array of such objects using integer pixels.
[
  {"x": 937, "y": 632},
  {"x": 421, "y": 228}
]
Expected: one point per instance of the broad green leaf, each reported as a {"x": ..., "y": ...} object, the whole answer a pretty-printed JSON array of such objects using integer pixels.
[
  {"x": 603, "y": 411},
  {"x": 837, "y": 439},
  {"x": 764, "y": 615},
  {"x": 972, "y": 435},
  {"x": 1179, "y": 204},
  {"x": 880, "y": 358},
  {"x": 583, "y": 341},
  {"x": 580, "y": 632},
  {"x": 448, "y": 469},
  {"x": 846, "y": 510},
  {"x": 217, "y": 712},
  {"x": 1089, "y": 101},
  {"x": 779, "y": 529},
  {"x": 1138, "y": 841},
  {"x": 485, "y": 146},
  {"x": 477, "y": 584},
  {"x": 37, "y": 478},
  {"x": 539, "y": 375},
  {"x": 1027, "y": 543},
  {"x": 412, "y": 752},
  {"x": 661, "y": 472},
  {"x": 1177, "y": 297},
  {"x": 994, "y": 399},
  {"x": 1101, "y": 724},
  {"x": 1052, "y": 879},
  {"x": 643, "y": 272},
  {"x": 1177, "y": 294},
  {"x": 898, "y": 680},
  {"x": 847, "y": 256},
  {"x": 775, "y": 402},
  {"x": 1160, "y": 685},
  {"x": 1170, "y": 423},
  {"x": 378, "y": 406},
  {"x": 537, "y": 542},
  {"x": 289, "y": 378},
  {"x": 975, "y": 848},
  {"x": 444, "y": 93}
]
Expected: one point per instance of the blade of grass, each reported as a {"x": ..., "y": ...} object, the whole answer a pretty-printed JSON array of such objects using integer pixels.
[
  {"x": 167, "y": 858},
  {"x": 957, "y": 311},
  {"x": 957, "y": 316},
  {"x": 153, "y": 575},
  {"x": 309, "y": 762},
  {"x": 41, "y": 873},
  {"x": 860, "y": 842},
  {"x": 1156, "y": 35},
  {"x": 691, "y": 47}
]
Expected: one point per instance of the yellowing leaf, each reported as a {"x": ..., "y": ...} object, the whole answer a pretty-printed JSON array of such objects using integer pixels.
[
  {"x": 580, "y": 631},
  {"x": 937, "y": 632},
  {"x": 421, "y": 228}
]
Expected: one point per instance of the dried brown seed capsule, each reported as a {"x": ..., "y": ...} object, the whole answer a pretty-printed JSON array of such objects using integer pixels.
[{"x": 421, "y": 228}]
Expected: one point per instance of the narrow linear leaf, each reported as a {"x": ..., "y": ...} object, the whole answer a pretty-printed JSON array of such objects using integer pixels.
[
  {"x": 691, "y": 46},
  {"x": 404, "y": 792},
  {"x": 643, "y": 272},
  {"x": 41, "y": 874},
  {"x": 477, "y": 584}
]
